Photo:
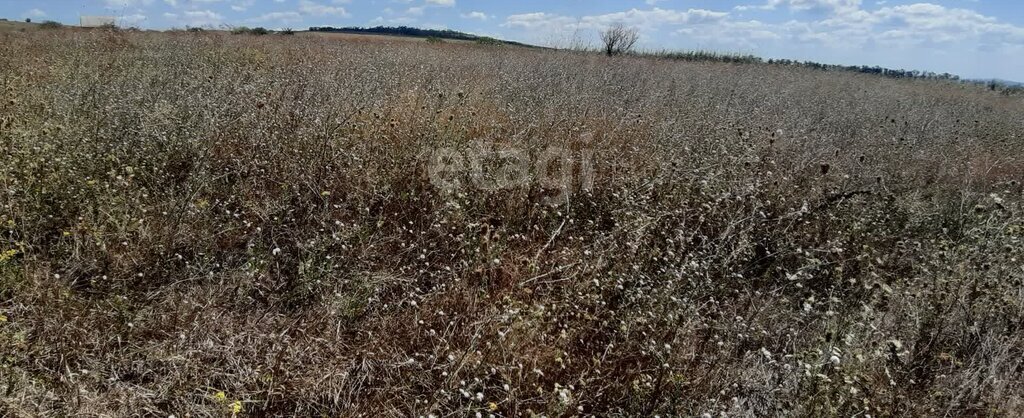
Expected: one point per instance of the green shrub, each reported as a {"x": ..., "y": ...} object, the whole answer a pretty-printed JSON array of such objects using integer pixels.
[
  {"x": 708, "y": 56},
  {"x": 245, "y": 30},
  {"x": 49, "y": 24},
  {"x": 434, "y": 40},
  {"x": 1013, "y": 90},
  {"x": 486, "y": 40}
]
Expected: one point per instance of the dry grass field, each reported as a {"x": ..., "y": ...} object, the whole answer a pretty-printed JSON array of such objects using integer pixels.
[
  {"x": 16, "y": 26},
  {"x": 202, "y": 224}
]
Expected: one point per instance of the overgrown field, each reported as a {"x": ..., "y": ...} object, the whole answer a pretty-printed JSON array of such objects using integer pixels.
[{"x": 202, "y": 224}]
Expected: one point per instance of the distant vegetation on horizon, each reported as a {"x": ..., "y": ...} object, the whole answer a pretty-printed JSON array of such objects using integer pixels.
[
  {"x": 419, "y": 33},
  {"x": 698, "y": 55}
]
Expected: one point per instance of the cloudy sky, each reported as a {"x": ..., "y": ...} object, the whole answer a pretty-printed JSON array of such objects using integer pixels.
[{"x": 972, "y": 38}]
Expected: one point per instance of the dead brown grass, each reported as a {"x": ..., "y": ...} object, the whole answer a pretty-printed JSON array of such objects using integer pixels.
[
  {"x": 17, "y": 26},
  {"x": 212, "y": 225}
]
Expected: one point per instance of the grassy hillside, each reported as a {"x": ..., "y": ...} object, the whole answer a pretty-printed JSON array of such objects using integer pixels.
[
  {"x": 16, "y": 26},
  {"x": 370, "y": 38},
  {"x": 410, "y": 32},
  {"x": 203, "y": 224}
]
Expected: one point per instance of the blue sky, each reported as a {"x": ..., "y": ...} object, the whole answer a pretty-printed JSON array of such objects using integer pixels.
[{"x": 972, "y": 38}]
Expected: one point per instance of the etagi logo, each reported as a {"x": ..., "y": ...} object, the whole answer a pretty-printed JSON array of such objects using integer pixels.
[{"x": 490, "y": 166}]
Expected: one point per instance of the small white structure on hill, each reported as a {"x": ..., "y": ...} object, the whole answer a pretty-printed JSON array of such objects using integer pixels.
[{"x": 96, "y": 21}]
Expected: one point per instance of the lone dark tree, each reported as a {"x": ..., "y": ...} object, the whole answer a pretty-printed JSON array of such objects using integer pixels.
[{"x": 619, "y": 38}]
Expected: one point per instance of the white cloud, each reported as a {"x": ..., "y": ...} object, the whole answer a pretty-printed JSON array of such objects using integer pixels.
[
  {"x": 415, "y": 11},
  {"x": 278, "y": 17},
  {"x": 131, "y": 20},
  {"x": 397, "y": 21},
  {"x": 843, "y": 32},
  {"x": 846, "y": 24},
  {"x": 442, "y": 3},
  {"x": 826, "y": 6},
  {"x": 475, "y": 15},
  {"x": 242, "y": 5},
  {"x": 308, "y": 7},
  {"x": 36, "y": 13},
  {"x": 173, "y": 3},
  {"x": 920, "y": 24},
  {"x": 644, "y": 19},
  {"x": 538, "y": 20},
  {"x": 195, "y": 18},
  {"x": 934, "y": 23},
  {"x": 732, "y": 35},
  {"x": 126, "y": 3}
]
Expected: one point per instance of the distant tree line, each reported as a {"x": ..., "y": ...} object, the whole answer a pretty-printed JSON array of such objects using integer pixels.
[
  {"x": 416, "y": 32},
  {"x": 994, "y": 85},
  {"x": 708, "y": 56},
  {"x": 752, "y": 59},
  {"x": 705, "y": 56},
  {"x": 620, "y": 39},
  {"x": 876, "y": 70},
  {"x": 258, "y": 31}
]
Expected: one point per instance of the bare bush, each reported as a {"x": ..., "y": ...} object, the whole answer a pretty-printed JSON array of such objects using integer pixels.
[{"x": 619, "y": 39}]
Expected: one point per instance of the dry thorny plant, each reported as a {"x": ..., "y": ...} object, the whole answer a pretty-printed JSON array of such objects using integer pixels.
[{"x": 201, "y": 224}]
